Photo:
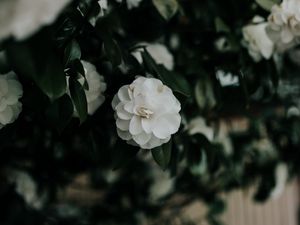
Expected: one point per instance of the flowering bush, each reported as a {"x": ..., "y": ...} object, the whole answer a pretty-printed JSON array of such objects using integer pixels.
[{"x": 143, "y": 102}]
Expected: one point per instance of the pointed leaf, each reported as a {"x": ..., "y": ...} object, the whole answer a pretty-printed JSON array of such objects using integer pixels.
[
  {"x": 166, "y": 8},
  {"x": 162, "y": 155},
  {"x": 79, "y": 99}
]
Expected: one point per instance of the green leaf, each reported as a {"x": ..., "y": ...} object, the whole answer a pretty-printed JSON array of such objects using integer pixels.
[
  {"x": 79, "y": 99},
  {"x": 37, "y": 60},
  {"x": 267, "y": 4},
  {"x": 175, "y": 81},
  {"x": 221, "y": 26},
  {"x": 162, "y": 155},
  {"x": 72, "y": 52},
  {"x": 112, "y": 51},
  {"x": 60, "y": 112},
  {"x": 166, "y": 8}
]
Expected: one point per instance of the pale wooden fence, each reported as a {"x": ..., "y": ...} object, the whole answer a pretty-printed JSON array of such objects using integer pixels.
[{"x": 241, "y": 210}]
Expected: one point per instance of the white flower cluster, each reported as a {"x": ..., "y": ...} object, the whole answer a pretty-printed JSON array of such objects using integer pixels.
[
  {"x": 96, "y": 84},
  {"x": 280, "y": 33},
  {"x": 158, "y": 52},
  {"x": 10, "y": 92},
  {"x": 147, "y": 113},
  {"x": 21, "y": 18},
  {"x": 257, "y": 41},
  {"x": 284, "y": 24}
]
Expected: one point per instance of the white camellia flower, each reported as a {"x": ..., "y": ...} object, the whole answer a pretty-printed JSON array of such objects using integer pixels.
[
  {"x": 284, "y": 24},
  {"x": 10, "y": 92},
  {"x": 147, "y": 113},
  {"x": 158, "y": 52},
  {"x": 257, "y": 41},
  {"x": 131, "y": 3},
  {"x": 96, "y": 84},
  {"x": 21, "y": 18}
]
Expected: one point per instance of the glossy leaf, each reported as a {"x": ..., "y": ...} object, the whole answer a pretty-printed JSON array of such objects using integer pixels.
[
  {"x": 79, "y": 99},
  {"x": 162, "y": 155}
]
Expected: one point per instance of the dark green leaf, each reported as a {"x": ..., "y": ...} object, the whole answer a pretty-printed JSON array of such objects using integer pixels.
[
  {"x": 221, "y": 26},
  {"x": 166, "y": 8},
  {"x": 175, "y": 81},
  {"x": 72, "y": 52},
  {"x": 60, "y": 112},
  {"x": 162, "y": 155},
  {"x": 112, "y": 51},
  {"x": 79, "y": 99},
  {"x": 37, "y": 60}
]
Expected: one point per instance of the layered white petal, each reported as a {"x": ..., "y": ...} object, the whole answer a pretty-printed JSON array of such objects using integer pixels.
[{"x": 147, "y": 113}]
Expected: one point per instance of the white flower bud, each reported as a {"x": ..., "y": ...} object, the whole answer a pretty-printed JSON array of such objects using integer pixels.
[
  {"x": 147, "y": 113},
  {"x": 21, "y": 18},
  {"x": 10, "y": 92},
  {"x": 158, "y": 52}
]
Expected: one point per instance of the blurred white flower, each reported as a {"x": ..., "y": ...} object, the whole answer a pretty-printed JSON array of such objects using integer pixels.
[
  {"x": 198, "y": 126},
  {"x": 147, "y": 113},
  {"x": 131, "y": 3},
  {"x": 215, "y": 136},
  {"x": 162, "y": 184},
  {"x": 284, "y": 24},
  {"x": 281, "y": 178},
  {"x": 96, "y": 84},
  {"x": 257, "y": 41},
  {"x": 103, "y": 4},
  {"x": 21, "y": 18},
  {"x": 27, "y": 188},
  {"x": 227, "y": 79},
  {"x": 158, "y": 52},
  {"x": 10, "y": 92}
]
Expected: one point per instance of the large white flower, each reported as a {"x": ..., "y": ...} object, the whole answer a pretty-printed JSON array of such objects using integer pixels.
[
  {"x": 284, "y": 24},
  {"x": 147, "y": 113},
  {"x": 21, "y": 18},
  {"x": 96, "y": 84},
  {"x": 158, "y": 52},
  {"x": 131, "y": 3},
  {"x": 10, "y": 92},
  {"x": 257, "y": 41}
]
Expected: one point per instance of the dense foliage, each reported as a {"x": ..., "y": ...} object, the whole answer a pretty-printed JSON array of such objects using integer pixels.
[{"x": 239, "y": 125}]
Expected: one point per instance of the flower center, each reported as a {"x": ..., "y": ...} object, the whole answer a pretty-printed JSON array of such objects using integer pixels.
[{"x": 144, "y": 112}]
